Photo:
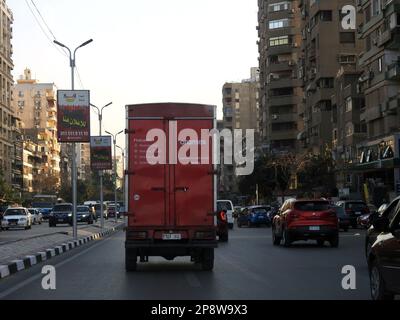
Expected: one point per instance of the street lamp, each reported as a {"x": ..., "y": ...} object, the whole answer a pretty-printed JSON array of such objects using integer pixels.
[
  {"x": 115, "y": 169},
  {"x": 100, "y": 114},
  {"x": 72, "y": 63}
]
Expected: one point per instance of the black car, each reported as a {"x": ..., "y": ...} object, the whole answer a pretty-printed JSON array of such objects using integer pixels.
[
  {"x": 84, "y": 214},
  {"x": 354, "y": 209},
  {"x": 344, "y": 219},
  {"x": 384, "y": 257},
  {"x": 61, "y": 214}
]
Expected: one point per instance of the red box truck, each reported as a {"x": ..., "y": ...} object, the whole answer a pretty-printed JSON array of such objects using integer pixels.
[{"x": 171, "y": 191}]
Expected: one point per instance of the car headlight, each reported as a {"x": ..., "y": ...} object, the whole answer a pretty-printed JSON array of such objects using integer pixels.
[
  {"x": 70, "y": 215},
  {"x": 22, "y": 220},
  {"x": 84, "y": 216}
]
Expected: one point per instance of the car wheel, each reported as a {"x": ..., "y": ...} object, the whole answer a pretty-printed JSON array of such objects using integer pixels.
[
  {"x": 224, "y": 237},
  {"x": 286, "y": 239},
  {"x": 334, "y": 241},
  {"x": 320, "y": 243},
  {"x": 378, "y": 286},
  {"x": 275, "y": 239},
  {"x": 130, "y": 260},
  {"x": 207, "y": 260}
]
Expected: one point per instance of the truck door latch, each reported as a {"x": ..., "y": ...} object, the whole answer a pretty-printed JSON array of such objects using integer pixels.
[{"x": 183, "y": 189}]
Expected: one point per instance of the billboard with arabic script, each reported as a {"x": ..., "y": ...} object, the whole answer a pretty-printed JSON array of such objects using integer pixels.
[
  {"x": 100, "y": 153},
  {"x": 73, "y": 115}
]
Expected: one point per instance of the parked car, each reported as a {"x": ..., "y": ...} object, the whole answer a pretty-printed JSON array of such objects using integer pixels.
[
  {"x": 222, "y": 223},
  {"x": 305, "y": 220},
  {"x": 355, "y": 209},
  {"x": 98, "y": 210},
  {"x": 384, "y": 257},
  {"x": 344, "y": 219},
  {"x": 61, "y": 214},
  {"x": 14, "y": 218},
  {"x": 36, "y": 215},
  {"x": 255, "y": 216},
  {"x": 84, "y": 214},
  {"x": 228, "y": 205},
  {"x": 113, "y": 211},
  {"x": 372, "y": 233},
  {"x": 383, "y": 207}
]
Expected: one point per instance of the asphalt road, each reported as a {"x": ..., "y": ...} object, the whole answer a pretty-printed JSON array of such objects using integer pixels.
[{"x": 248, "y": 267}]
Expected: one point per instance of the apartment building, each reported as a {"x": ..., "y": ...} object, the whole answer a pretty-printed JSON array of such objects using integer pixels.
[
  {"x": 329, "y": 42},
  {"x": 7, "y": 151},
  {"x": 280, "y": 85},
  {"x": 379, "y": 154},
  {"x": 241, "y": 110},
  {"x": 35, "y": 104}
]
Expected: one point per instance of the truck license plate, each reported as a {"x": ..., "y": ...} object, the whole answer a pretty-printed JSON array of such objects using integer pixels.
[
  {"x": 172, "y": 236},
  {"x": 315, "y": 228}
]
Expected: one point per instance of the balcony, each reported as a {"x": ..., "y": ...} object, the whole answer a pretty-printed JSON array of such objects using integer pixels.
[
  {"x": 283, "y": 100},
  {"x": 284, "y": 135},
  {"x": 393, "y": 72},
  {"x": 284, "y": 83},
  {"x": 284, "y": 118},
  {"x": 370, "y": 24}
]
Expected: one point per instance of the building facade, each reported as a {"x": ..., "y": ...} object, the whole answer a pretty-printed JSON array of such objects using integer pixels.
[
  {"x": 7, "y": 151},
  {"x": 241, "y": 111},
  {"x": 35, "y": 104},
  {"x": 379, "y": 155},
  {"x": 280, "y": 85},
  {"x": 329, "y": 42}
]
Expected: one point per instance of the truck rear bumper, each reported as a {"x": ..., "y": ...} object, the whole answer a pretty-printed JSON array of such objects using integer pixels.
[{"x": 170, "y": 244}]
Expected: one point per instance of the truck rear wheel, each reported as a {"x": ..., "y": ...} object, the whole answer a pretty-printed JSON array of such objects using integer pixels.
[
  {"x": 207, "y": 260},
  {"x": 130, "y": 260}
]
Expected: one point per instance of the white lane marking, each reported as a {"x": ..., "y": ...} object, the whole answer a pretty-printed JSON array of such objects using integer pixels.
[
  {"x": 38, "y": 276},
  {"x": 192, "y": 279}
]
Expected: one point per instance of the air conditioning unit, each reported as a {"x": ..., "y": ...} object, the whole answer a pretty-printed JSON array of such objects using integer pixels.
[
  {"x": 295, "y": 45},
  {"x": 275, "y": 117}
]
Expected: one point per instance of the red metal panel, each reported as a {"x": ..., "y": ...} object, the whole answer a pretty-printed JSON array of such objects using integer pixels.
[
  {"x": 148, "y": 183},
  {"x": 192, "y": 185}
]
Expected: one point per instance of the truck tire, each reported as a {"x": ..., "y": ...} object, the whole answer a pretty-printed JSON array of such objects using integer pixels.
[
  {"x": 207, "y": 260},
  {"x": 130, "y": 260}
]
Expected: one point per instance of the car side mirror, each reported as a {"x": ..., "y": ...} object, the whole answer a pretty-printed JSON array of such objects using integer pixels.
[{"x": 381, "y": 224}]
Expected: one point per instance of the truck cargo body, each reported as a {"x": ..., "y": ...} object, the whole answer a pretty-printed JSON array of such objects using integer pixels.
[{"x": 171, "y": 205}]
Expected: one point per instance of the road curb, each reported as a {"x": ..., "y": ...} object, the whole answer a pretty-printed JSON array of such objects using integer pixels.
[{"x": 29, "y": 261}]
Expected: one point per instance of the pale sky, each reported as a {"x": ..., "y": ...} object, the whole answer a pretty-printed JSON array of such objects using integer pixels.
[{"x": 143, "y": 51}]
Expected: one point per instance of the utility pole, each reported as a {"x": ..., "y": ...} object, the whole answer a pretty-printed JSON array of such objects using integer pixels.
[
  {"x": 72, "y": 63},
  {"x": 100, "y": 113}
]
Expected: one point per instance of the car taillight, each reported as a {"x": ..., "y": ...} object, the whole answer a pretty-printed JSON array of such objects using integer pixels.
[
  {"x": 137, "y": 235},
  {"x": 223, "y": 216}
]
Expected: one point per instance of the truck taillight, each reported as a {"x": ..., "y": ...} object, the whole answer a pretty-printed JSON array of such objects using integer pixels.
[
  {"x": 222, "y": 215},
  {"x": 205, "y": 235},
  {"x": 137, "y": 235}
]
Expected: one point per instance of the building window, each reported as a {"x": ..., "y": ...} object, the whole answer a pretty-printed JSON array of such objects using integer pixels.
[
  {"x": 349, "y": 104},
  {"x": 21, "y": 104},
  {"x": 375, "y": 8},
  {"x": 20, "y": 94},
  {"x": 347, "y": 37},
  {"x": 380, "y": 65},
  {"x": 278, "y": 41},
  {"x": 276, "y": 24},
  {"x": 326, "y": 83},
  {"x": 279, "y": 6},
  {"x": 325, "y": 15},
  {"x": 349, "y": 129}
]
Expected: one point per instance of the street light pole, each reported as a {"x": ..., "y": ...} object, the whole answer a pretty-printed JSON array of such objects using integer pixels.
[
  {"x": 100, "y": 113},
  {"x": 115, "y": 169},
  {"x": 72, "y": 64}
]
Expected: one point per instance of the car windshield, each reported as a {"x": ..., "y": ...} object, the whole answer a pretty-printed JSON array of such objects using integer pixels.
[
  {"x": 260, "y": 210},
  {"x": 83, "y": 209},
  {"x": 65, "y": 207},
  {"x": 356, "y": 206},
  {"x": 226, "y": 205},
  {"x": 311, "y": 206},
  {"x": 15, "y": 212}
]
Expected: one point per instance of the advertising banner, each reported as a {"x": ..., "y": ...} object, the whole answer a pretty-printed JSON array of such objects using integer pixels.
[
  {"x": 73, "y": 114},
  {"x": 101, "y": 153}
]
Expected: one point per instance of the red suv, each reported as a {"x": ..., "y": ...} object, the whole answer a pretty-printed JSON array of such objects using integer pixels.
[{"x": 306, "y": 220}]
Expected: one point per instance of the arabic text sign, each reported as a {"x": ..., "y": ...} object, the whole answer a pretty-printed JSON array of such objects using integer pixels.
[
  {"x": 73, "y": 116},
  {"x": 100, "y": 153}
]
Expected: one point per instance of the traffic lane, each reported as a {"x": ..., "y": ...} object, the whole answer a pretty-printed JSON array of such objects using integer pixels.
[
  {"x": 37, "y": 230},
  {"x": 248, "y": 267}
]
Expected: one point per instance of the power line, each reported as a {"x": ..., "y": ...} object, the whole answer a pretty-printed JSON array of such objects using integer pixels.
[
  {"x": 44, "y": 21},
  {"x": 41, "y": 28}
]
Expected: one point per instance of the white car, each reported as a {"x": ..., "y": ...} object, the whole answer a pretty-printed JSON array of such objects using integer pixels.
[
  {"x": 229, "y": 211},
  {"x": 17, "y": 218},
  {"x": 37, "y": 217}
]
